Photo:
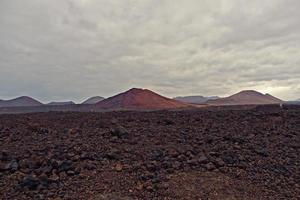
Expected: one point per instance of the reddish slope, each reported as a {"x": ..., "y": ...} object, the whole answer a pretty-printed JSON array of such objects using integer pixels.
[
  {"x": 246, "y": 97},
  {"x": 20, "y": 101},
  {"x": 139, "y": 99}
]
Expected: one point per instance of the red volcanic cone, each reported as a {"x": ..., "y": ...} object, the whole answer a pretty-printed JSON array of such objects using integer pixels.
[{"x": 139, "y": 99}]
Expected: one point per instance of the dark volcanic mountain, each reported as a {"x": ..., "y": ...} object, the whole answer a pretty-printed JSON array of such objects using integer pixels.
[
  {"x": 20, "y": 102},
  {"x": 139, "y": 99},
  {"x": 61, "y": 103},
  {"x": 93, "y": 100},
  {"x": 195, "y": 99},
  {"x": 246, "y": 97}
]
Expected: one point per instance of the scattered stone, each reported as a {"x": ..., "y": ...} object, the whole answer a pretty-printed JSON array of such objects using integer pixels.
[
  {"x": 193, "y": 162},
  {"x": 262, "y": 151},
  {"x": 54, "y": 178},
  {"x": 65, "y": 166},
  {"x": 210, "y": 166},
  {"x": 113, "y": 154},
  {"x": 219, "y": 162},
  {"x": 43, "y": 131},
  {"x": 139, "y": 186},
  {"x": 70, "y": 173},
  {"x": 119, "y": 167},
  {"x": 90, "y": 166},
  {"x": 119, "y": 132},
  {"x": 206, "y": 151},
  {"x": 4, "y": 156},
  {"x": 168, "y": 122},
  {"x": 203, "y": 159},
  {"x": 72, "y": 131},
  {"x": 10, "y": 166},
  {"x": 4, "y": 167},
  {"x": 30, "y": 182},
  {"x": 230, "y": 158}
]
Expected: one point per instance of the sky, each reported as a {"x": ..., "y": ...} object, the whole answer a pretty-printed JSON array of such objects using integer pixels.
[{"x": 57, "y": 50}]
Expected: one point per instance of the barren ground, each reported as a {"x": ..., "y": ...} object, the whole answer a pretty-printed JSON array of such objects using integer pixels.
[{"x": 195, "y": 154}]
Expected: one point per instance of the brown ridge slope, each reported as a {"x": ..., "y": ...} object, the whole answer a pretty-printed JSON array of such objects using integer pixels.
[
  {"x": 139, "y": 99},
  {"x": 20, "y": 102},
  {"x": 246, "y": 97}
]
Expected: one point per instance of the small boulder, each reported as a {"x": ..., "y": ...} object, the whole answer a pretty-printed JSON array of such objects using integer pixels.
[
  {"x": 168, "y": 122},
  {"x": 30, "y": 182},
  {"x": 70, "y": 173},
  {"x": 210, "y": 166},
  {"x": 203, "y": 159},
  {"x": 262, "y": 152},
  {"x": 219, "y": 162},
  {"x": 119, "y": 132},
  {"x": 4, "y": 156},
  {"x": 119, "y": 167},
  {"x": 65, "y": 166},
  {"x": 112, "y": 154},
  {"x": 9, "y": 166},
  {"x": 54, "y": 178}
]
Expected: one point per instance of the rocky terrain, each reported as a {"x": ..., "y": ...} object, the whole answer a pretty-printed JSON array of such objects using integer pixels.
[{"x": 192, "y": 154}]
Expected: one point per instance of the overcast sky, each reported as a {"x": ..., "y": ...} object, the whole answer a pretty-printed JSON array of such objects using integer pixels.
[{"x": 73, "y": 49}]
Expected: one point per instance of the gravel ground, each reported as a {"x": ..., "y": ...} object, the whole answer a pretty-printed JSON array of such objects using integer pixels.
[{"x": 194, "y": 154}]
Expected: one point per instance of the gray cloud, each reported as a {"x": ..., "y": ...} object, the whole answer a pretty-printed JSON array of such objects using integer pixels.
[{"x": 59, "y": 49}]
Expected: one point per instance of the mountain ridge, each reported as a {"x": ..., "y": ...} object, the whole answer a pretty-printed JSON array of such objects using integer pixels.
[
  {"x": 195, "y": 99},
  {"x": 246, "y": 97},
  {"x": 60, "y": 103}
]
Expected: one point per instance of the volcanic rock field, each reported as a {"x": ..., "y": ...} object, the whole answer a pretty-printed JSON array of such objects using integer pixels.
[{"x": 188, "y": 154}]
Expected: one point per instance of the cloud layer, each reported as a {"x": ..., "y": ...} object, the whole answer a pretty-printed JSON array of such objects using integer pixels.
[{"x": 72, "y": 49}]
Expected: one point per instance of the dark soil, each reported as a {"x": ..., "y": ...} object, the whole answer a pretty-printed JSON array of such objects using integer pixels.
[{"x": 195, "y": 154}]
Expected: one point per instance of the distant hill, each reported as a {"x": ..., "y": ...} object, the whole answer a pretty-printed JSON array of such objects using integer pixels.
[
  {"x": 19, "y": 102},
  {"x": 61, "y": 103},
  {"x": 293, "y": 102},
  {"x": 93, "y": 100},
  {"x": 195, "y": 99},
  {"x": 296, "y": 102},
  {"x": 246, "y": 97},
  {"x": 139, "y": 99}
]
